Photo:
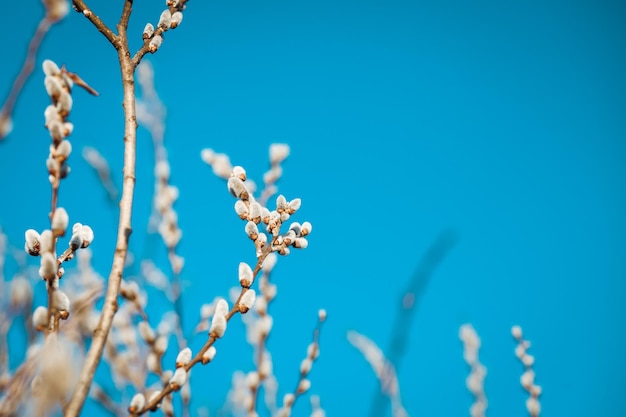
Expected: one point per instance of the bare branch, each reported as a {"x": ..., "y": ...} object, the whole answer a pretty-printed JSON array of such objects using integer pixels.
[
  {"x": 124, "y": 227},
  {"x": 80, "y": 6}
]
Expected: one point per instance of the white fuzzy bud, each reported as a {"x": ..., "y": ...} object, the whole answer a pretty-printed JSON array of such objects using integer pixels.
[
  {"x": 252, "y": 379},
  {"x": 48, "y": 266},
  {"x": 300, "y": 243},
  {"x": 32, "y": 245},
  {"x": 62, "y": 303},
  {"x": 50, "y": 68},
  {"x": 255, "y": 212},
  {"x": 6, "y": 124},
  {"x": 269, "y": 262},
  {"x": 281, "y": 203},
  {"x": 56, "y": 10},
  {"x": 221, "y": 308},
  {"x": 527, "y": 379},
  {"x": 54, "y": 87},
  {"x": 247, "y": 301},
  {"x": 306, "y": 229},
  {"x": 533, "y": 406},
  {"x": 239, "y": 172},
  {"x": 241, "y": 209},
  {"x": 146, "y": 332},
  {"x": 528, "y": 360},
  {"x": 60, "y": 220},
  {"x": 183, "y": 358},
  {"x": 252, "y": 230},
  {"x": 160, "y": 345},
  {"x": 148, "y": 31},
  {"x": 21, "y": 292},
  {"x": 218, "y": 326},
  {"x": 516, "y": 331},
  {"x": 294, "y": 205},
  {"x": 278, "y": 153},
  {"x": 321, "y": 314},
  {"x": 64, "y": 104},
  {"x": 265, "y": 324},
  {"x": 177, "y": 18},
  {"x": 64, "y": 149},
  {"x": 152, "y": 398},
  {"x": 178, "y": 379},
  {"x": 82, "y": 236},
  {"x": 40, "y": 318},
  {"x": 155, "y": 43},
  {"x": 288, "y": 400},
  {"x": 245, "y": 275},
  {"x": 305, "y": 366},
  {"x": 209, "y": 355},
  {"x": 56, "y": 131},
  {"x": 46, "y": 241},
  {"x": 303, "y": 386},
  {"x": 165, "y": 20},
  {"x": 162, "y": 170},
  {"x": 313, "y": 350},
  {"x": 206, "y": 311},
  {"x": 237, "y": 188},
  {"x": 137, "y": 403},
  {"x": 261, "y": 306},
  {"x": 152, "y": 362}
]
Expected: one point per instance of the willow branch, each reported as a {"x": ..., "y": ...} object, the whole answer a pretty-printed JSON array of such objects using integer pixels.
[
  {"x": 27, "y": 68},
  {"x": 124, "y": 227},
  {"x": 81, "y": 7}
]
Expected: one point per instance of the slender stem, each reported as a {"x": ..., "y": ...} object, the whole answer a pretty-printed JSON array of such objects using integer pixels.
[
  {"x": 124, "y": 227},
  {"x": 27, "y": 67},
  {"x": 167, "y": 389},
  {"x": 81, "y": 7}
]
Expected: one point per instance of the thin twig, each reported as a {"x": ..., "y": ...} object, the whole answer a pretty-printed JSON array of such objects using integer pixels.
[
  {"x": 27, "y": 68},
  {"x": 407, "y": 307},
  {"x": 212, "y": 339},
  {"x": 81, "y": 7}
]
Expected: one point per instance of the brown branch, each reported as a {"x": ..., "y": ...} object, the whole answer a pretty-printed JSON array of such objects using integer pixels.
[
  {"x": 145, "y": 48},
  {"x": 124, "y": 228},
  {"x": 167, "y": 389},
  {"x": 18, "y": 387},
  {"x": 80, "y": 6},
  {"x": 27, "y": 68},
  {"x": 261, "y": 345}
]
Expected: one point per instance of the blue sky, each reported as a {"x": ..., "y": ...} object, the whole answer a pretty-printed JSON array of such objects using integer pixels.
[{"x": 502, "y": 121}]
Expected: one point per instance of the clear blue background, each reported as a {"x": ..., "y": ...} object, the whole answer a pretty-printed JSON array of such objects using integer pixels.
[{"x": 504, "y": 121}]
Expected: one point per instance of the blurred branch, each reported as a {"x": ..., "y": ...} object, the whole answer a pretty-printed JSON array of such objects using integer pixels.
[
  {"x": 27, "y": 69},
  {"x": 407, "y": 306}
]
